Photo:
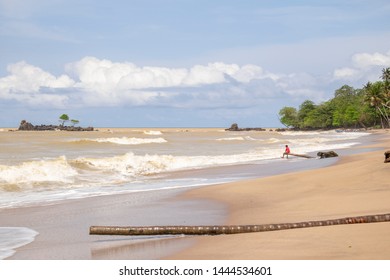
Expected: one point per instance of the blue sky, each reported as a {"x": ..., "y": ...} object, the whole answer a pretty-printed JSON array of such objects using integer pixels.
[{"x": 182, "y": 63}]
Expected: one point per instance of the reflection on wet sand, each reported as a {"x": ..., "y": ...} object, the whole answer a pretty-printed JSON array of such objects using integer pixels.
[{"x": 140, "y": 248}]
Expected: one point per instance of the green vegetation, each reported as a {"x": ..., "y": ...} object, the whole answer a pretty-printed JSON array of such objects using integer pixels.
[
  {"x": 74, "y": 122},
  {"x": 349, "y": 108},
  {"x": 65, "y": 118}
]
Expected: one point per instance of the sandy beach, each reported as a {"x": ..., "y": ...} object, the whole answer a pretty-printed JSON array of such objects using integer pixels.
[{"x": 356, "y": 185}]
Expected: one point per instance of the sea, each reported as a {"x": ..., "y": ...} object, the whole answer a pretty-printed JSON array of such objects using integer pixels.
[{"x": 46, "y": 167}]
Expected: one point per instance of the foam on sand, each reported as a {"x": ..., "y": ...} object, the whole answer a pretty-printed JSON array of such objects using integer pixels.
[{"x": 14, "y": 237}]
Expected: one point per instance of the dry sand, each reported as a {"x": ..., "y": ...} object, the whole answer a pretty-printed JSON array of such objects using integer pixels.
[{"x": 357, "y": 185}]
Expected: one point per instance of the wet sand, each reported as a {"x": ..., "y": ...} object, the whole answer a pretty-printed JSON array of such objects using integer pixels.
[
  {"x": 356, "y": 185},
  {"x": 64, "y": 227}
]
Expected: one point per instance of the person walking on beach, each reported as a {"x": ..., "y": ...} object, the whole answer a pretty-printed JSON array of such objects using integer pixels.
[{"x": 286, "y": 152}]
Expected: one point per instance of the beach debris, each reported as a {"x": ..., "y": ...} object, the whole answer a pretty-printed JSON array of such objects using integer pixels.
[
  {"x": 232, "y": 229},
  {"x": 387, "y": 156},
  {"x": 327, "y": 154}
]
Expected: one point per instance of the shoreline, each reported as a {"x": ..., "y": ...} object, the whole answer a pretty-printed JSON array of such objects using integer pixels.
[
  {"x": 63, "y": 227},
  {"x": 355, "y": 185}
]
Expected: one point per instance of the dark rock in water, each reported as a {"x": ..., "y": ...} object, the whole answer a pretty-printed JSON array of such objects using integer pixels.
[
  {"x": 234, "y": 127},
  {"x": 387, "y": 156},
  {"x": 327, "y": 154},
  {"x": 24, "y": 125}
]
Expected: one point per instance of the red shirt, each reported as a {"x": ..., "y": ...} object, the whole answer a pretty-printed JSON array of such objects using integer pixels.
[{"x": 287, "y": 150}]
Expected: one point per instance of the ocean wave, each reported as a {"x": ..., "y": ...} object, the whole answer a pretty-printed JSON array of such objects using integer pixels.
[
  {"x": 92, "y": 171},
  {"x": 238, "y": 138},
  {"x": 327, "y": 133},
  {"x": 130, "y": 164},
  {"x": 32, "y": 172},
  {"x": 124, "y": 140},
  {"x": 273, "y": 140}
]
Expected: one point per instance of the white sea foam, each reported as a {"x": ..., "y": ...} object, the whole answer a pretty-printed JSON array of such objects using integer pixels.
[
  {"x": 298, "y": 133},
  {"x": 14, "y": 237},
  {"x": 38, "y": 171},
  {"x": 274, "y": 140},
  {"x": 130, "y": 164},
  {"x": 238, "y": 138},
  {"x": 125, "y": 140},
  {"x": 153, "y": 132}
]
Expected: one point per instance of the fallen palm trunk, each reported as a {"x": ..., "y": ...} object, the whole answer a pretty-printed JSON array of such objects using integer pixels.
[
  {"x": 299, "y": 155},
  {"x": 214, "y": 230}
]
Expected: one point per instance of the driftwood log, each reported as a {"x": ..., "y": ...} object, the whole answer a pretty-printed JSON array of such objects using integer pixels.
[
  {"x": 387, "y": 156},
  {"x": 299, "y": 155},
  {"x": 215, "y": 230}
]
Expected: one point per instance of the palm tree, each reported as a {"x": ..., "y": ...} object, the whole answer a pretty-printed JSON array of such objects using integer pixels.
[
  {"x": 386, "y": 74},
  {"x": 386, "y": 79},
  {"x": 376, "y": 97}
]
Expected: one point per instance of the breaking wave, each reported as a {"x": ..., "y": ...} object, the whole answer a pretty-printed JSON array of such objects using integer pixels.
[{"x": 31, "y": 173}]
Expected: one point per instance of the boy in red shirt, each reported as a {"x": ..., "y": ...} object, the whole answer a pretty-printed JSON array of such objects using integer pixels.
[{"x": 286, "y": 152}]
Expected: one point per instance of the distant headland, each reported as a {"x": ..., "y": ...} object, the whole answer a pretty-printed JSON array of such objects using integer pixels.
[{"x": 26, "y": 126}]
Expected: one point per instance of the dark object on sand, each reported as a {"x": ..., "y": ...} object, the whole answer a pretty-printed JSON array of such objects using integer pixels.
[
  {"x": 327, "y": 154},
  {"x": 214, "y": 230},
  {"x": 387, "y": 156}
]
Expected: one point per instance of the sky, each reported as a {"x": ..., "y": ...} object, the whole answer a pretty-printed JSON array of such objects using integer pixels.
[{"x": 183, "y": 63}]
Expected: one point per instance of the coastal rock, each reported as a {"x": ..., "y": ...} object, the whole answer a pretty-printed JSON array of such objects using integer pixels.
[
  {"x": 387, "y": 156},
  {"x": 24, "y": 125},
  {"x": 327, "y": 154},
  {"x": 234, "y": 127}
]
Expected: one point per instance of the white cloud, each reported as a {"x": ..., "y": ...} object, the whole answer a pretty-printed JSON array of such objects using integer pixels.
[
  {"x": 28, "y": 78},
  {"x": 104, "y": 74},
  {"x": 346, "y": 73},
  {"x": 27, "y": 84},
  {"x": 100, "y": 82},
  {"x": 108, "y": 83},
  {"x": 364, "y": 67},
  {"x": 366, "y": 60}
]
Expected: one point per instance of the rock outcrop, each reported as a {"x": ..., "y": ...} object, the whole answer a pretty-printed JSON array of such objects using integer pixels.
[
  {"x": 24, "y": 125},
  {"x": 234, "y": 127}
]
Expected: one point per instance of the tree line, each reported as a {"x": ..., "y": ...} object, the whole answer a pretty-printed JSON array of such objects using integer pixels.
[{"x": 349, "y": 108}]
